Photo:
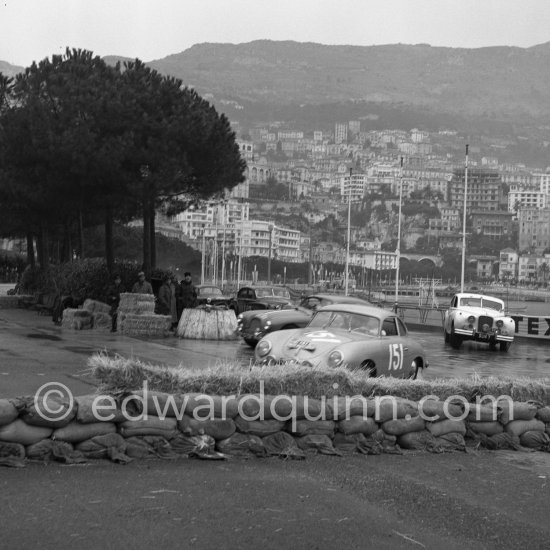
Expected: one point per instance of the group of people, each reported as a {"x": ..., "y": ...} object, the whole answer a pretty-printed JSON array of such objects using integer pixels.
[{"x": 172, "y": 298}]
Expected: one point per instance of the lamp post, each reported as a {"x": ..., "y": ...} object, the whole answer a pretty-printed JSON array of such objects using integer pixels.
[
  {"x": 464, "y": 222},
  {"x": 349, "y": 233},
  {"x": 203, "y": 254},
  {"x": 398, "y": 249}
]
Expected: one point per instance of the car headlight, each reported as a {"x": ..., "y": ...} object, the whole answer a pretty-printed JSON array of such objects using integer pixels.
[
  {"x": 500, "y": 323},
  {"x": 240, "y": 317},
  {"x": 267, "y": 325},
  {"x": 335, "y": 358},
  {"x": 263, "y": 348},
  {"x": 471, "y": 319}
]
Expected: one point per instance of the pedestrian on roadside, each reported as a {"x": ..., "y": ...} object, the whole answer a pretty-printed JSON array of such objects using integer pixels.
[
  {"x": 113, "y": 298},
  {"x": 166, "y": 304},
  {"x": 142, "y": 286},
  {"x": 188, "y": 292}
]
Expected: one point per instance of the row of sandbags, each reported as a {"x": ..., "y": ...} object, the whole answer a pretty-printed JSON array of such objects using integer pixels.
[{"x": 387, "y": 427}]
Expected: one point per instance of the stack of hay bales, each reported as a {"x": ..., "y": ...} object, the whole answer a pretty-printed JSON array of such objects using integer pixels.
[
  {"x": 207, "y": 323},
  {"x": 136, "y": 316},
  {"x": 101, "y": 316},
  {"x": 76, "y": 319}
]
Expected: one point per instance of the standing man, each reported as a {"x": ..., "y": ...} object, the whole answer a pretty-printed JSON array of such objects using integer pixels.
[
  {"x": 142, "y": 286},
  {"x": 113, "y": 298},
  {"x": 188, "y": 292}
]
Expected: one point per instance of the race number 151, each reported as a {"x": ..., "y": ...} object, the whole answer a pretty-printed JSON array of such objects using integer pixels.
[{"x": 396, "y": 356}]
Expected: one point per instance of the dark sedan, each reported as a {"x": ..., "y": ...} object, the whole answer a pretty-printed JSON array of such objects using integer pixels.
[{"x": 210, "y": 295}]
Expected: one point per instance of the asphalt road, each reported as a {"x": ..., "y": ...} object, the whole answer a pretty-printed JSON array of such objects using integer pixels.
[{"x": 479, "y": 499}]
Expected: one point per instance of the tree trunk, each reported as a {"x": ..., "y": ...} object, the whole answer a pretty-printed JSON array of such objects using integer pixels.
[
  {"x": 146, "y": 230},
  {"x": 42, "y": 242},
  {"x": 109, "y": 251},
  {"x": 80, "y": 234},
  {"x": 30, "y": 250},
  {"x": 153, "y": 241}
]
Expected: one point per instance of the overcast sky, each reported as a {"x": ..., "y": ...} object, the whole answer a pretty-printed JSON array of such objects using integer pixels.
[{"x": 31, "y": 30}]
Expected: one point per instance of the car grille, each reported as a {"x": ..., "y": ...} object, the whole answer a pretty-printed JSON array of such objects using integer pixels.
[{"x": 484, "y": 320}]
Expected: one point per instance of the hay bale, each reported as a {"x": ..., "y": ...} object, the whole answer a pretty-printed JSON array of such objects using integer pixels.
[
  {"x": 95, "y": 306},
  {"x": 150, "y": 326},
  {"x": 101, "y": 320},
  {"x": 76, "y": 319},
  {"x": 207, "y": 324},
  {"x": 136, "y": 303}
]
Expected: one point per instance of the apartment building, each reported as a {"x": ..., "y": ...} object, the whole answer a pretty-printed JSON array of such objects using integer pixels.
[
  {"x": 521, "y": 197},
  {"x": 256, "y": 236},
  {"x": 340, "y": 133},
  {"x": 353, "y": 186},
  {"x": 494, "y": 225},
  {"x": 508, "y": 265},
  {"x": 484, "y": 189},
  {"x": 534, "y": 229}
]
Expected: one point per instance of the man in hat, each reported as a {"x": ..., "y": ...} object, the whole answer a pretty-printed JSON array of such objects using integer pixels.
[
  {"x": 188, "y": 292},
  {"x": 142, "y": 286},
  {"x": 113, "y": 298}
]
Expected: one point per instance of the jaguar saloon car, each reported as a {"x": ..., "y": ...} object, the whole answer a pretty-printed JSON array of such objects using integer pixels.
[
  {"x": 479, "y": 318},
  {"x": 261, "y": 297},
  {"x": 348, "y": 335},
  {"x": 210, "y": 295},
  {"x": 252, "y": 326}
]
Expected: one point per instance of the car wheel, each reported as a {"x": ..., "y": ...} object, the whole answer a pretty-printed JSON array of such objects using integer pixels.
[
  {"x": 505, "y": 346},
  {"x": 454, "y": 339},
  {"x": 369, "y": 366},
  {"x": 251, "y": 342},
  {"x": 446, "y": 335},
  {"x": 416, "y": 371},
  {"x": 492, "y": 346}
]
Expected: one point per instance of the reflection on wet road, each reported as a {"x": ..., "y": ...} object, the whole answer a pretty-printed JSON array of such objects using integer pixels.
[{"x": 529, "y": 358}]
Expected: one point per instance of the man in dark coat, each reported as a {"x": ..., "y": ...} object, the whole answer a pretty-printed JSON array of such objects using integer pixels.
[
  {"x": 113, "y": 298},
  {"x": 188, "y": 292}
]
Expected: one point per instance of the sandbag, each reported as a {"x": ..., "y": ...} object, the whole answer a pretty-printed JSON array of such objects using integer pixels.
[
  {"x": 261, "y": 428},
  {"x": 283, "y": 445},
  {"x": 165, "y": 427},
  {"x": 159, "y": 404},
  {"x": 12, "y": 455},
  {"x": 137, "y": 447},
  {"x": 518, "y": 427},
  {"x": 216, "y": 428},
  {"x": 161, "y": 446},
  {"x": 242, "y": 445},
  {"x": 543, "y": 414},
  {"x": 434, "y": 410},
  {"x": 391, "y": 408},
  {"x": 312, "y": 427},
  {"x": 487, "y": 428},
  {"x": 258, "y": 407},
  {"x": 535, "y": 440},
  {"x": 53, "y": 412},
  {"x": 437, "y": 429},
  {"x": 387, "y": 442},
  {"x": 500, "y": 441},
  {"x": 402, "y": 426},
  {"x": 111, "y": 446},
  {"x": 346, "y": 443},
  {"x": 417, "y": 441},
  {"x": 300, "y": 407},
  {"x": 358, "y": 425},
  {"x": 60, "y": 451},
  {"x": 344, "y": 407},
  {"x": 21, "y": 432},
  {"x": 478, "y": 412},
  {"x": 76, "y": 432},
  {"x": 105, "y": 408},
  {"x": 451, "y": 441},
  {"x": 317, "y": 443},
  {"x": 515, "y": 410},
  {"x": 8, "y": 412},
  {"x": 199, "y": 405},
  {"x": 187, "y": 445}
]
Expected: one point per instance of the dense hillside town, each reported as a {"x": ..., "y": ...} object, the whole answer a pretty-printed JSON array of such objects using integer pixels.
[{"x": 293, "y": 205}]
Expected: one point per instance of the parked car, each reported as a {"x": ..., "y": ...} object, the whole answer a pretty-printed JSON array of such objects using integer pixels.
[
  {"x": 350, "y": 335},
  {"x": 480, "y": 318},
  {"x": 260, "y": 297},
  {"x": 254, "y": 325},
  {"x": 212, "y": 295}
]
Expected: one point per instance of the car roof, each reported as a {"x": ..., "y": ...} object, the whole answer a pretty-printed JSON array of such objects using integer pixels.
[
  {"x": 359, "y": 309},
  {"x": 339, "y": 298},
  {"x": 472, "y": 295}
]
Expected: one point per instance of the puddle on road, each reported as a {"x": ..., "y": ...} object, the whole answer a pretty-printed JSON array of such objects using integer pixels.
[{"x": 40, "y": 336}]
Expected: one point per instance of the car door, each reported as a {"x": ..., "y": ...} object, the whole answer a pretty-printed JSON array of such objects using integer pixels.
[
  {"x": 396, "y": 348},
  {"x": 243, "y": 298}
]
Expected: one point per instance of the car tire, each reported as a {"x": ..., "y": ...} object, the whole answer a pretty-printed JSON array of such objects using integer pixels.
[
  {"x": 369, "y": 366},
  {"x": 505, "y": 346},
  {"x": 416, "y": 371},
  {"x": 454, "y": 339},
  {"x": 446, "y": 335},
  {"x": 252, "y": 343}
]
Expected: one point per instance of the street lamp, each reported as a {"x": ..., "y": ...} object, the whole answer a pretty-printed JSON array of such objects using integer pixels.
[
  {"x": 349, "y": 233},
  {"x": 270, "y": 229},
  {"x": 464, "y": 222},
  {"x": 398, "y": 249}
]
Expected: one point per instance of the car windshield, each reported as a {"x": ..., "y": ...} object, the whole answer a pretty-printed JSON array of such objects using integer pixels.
[
  {"x": 363, "y": 324},
  {"x": 264, "y": 292},
  {"x": 492, "y": 304},
  {"x": 210, "y": 290},
  {"x": 470, "y": 302}
]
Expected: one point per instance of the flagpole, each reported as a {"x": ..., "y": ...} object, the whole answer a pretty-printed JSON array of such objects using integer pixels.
[
  {"x": 464, "y": 222},
  {"x": 398, "y": 249}
]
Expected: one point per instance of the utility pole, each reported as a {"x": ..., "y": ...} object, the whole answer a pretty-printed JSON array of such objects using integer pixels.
[{"x": 398, "y": 249}]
